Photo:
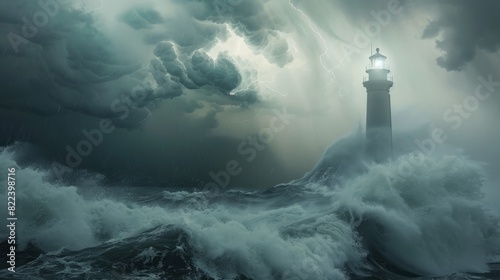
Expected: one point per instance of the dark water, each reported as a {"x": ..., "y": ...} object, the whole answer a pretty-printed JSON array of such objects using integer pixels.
[{"x": 343, "y": 220}]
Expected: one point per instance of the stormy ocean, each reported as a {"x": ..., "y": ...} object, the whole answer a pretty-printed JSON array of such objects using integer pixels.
[{"x": 345, "y": 219}]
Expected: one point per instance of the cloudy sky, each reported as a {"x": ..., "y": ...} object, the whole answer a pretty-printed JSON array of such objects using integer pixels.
[{"x": 182, "y": 88}]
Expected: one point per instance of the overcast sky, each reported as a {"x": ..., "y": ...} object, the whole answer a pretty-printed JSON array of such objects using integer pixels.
[{"x": 186, "y": 83}]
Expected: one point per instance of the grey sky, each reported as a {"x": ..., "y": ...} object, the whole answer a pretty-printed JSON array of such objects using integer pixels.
[{"x": 208, "y": 75}]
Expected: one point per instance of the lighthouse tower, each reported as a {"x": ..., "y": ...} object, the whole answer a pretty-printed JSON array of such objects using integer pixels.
[{"x": 378, "y": 109}]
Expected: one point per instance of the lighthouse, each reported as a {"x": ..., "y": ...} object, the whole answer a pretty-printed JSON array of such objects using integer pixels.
[{"x": 378, "y": 109}]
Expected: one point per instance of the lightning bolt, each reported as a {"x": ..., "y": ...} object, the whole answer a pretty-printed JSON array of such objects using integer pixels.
[
  {"x": 264, "y": 83},
  {"x": 260, "y": 111},
  {"x": 315, "y": 31},
  {"x": 330, "y": 71}
]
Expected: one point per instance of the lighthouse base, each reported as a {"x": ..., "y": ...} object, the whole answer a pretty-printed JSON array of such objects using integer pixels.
[{"x": 379, "y": 144}]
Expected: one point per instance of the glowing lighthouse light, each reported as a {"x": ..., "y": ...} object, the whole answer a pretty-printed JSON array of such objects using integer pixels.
[
  {"x": 378, "y": 63},
  {"x": 378, "y": 60}
]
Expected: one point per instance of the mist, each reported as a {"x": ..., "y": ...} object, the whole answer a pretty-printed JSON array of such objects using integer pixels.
[{"x": 182, "y": 101}]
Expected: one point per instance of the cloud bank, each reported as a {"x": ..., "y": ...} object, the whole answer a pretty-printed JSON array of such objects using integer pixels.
[
  {"x": 462, "y": 28},
  {"x": 57, "y": 58}
]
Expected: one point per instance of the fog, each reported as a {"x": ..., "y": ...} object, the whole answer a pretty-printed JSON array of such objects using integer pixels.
[{"x": 182, "y": 87}]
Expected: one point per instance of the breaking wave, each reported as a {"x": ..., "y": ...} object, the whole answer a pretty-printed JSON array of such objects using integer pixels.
[{"x": 345, "y": 219}]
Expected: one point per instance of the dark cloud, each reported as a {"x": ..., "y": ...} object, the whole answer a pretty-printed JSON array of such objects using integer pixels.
[
  {"x": 250, "y": 20},
  {"x": 221, "y": 73},
  {"x": 180, "y": 28},
  {"x": 123, "y": 61},
  {"x": 199, "y": 70},
  {"x": 72, "y": 73},
  {"x": 63, "y": 63},
  {"x": 142, "y": 17},
  {"x": 168, "y": 59},
  {"x": 462, "y": 27},
  {"x": 188, "y": 105}
]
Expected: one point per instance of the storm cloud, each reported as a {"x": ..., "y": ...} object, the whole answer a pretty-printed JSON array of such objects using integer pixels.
[
  {"x": 56, "y": 58},
  {"x": 64, "y": 70},
  {"x": 463, "y": 27},
  {"x": 185, "y": 82}
]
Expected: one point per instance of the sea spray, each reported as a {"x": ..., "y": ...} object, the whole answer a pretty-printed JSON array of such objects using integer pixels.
[{"x": 326, "y": 225}]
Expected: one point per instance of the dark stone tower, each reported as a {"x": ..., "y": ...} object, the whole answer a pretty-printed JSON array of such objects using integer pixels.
[{"x": 378, "y": 109}]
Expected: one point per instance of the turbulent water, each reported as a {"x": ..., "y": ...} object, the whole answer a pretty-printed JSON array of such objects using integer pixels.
[{"x": 346, "y": 219}]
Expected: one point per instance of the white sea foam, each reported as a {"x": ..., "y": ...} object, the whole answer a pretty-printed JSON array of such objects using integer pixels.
[{"x": 431, "y": 222}]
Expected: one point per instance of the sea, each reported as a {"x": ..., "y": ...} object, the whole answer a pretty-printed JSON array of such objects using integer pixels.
[{"x": 419, "y": 216}]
